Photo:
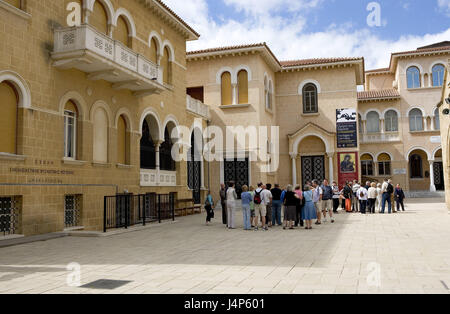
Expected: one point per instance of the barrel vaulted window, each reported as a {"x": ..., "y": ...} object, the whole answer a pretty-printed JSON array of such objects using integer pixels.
[
  {"x": 367, "y": 165},
  {"x": 123, "y": 142},
  {"x": 438, "y": 75},
  {"x": 413, "y": 77},
  {"x": 415, "y": 120},
  {"x": 165, "y": 153},
  {"x": 391, "y": 121},
  {"x": 373, "y": 122},
  {"x": 148, "y": 151},
  {"x": 226, "y": 90},
  {"x": 384, "y": 165},
  {"x": 153, "y": 54},
  {"x": 310, "y": 101},
  {"x": 243, "y": 87},
  {"x": 70, "y": 130},
  {"x": 121, "y": 32},
  {"x": 99, "y": 18},
  {"x": 100, "y": 136},
  {"x": 167, "y": 66},
  {"x": 8, "y": 118}
]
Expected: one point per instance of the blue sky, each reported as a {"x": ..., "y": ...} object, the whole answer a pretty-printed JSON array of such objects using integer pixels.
[{"x": 296, "y": 29}]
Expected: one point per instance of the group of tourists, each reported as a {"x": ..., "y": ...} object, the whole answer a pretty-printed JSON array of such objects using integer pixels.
[{"x": 264, "y": 206}]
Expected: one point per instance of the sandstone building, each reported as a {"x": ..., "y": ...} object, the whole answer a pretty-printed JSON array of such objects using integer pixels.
[{"x": 90, "y": 108}]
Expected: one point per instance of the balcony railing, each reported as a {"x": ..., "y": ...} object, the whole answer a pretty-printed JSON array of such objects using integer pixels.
[
  {"x": 104, "y": 58},
  {"x": 197, "y": 107},
  {"x": 371, "y": 138},
  {"x": 153, "y": 177}
]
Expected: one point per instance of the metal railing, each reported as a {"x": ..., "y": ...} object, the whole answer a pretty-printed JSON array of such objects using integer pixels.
[{"x": 126, "y": 210}]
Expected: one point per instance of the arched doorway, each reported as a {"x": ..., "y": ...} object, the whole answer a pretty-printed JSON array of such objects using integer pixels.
[
  {"x": 312, "y": 151},
  {"x": 438, "y": 171},
  {"x": 194, "y": 165},
  {"x": 419, "y": 170},
  {"x": 150, "y": 141}
]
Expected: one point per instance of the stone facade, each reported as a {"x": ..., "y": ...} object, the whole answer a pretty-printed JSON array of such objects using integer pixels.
[
  {"x": 37, "y": 174},
  {"x": 388, "y": 146}
]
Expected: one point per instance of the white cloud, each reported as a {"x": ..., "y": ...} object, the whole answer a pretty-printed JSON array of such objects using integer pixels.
[
  {"x": 444, "y": 6},
  {"x": 287, "y": 37}
]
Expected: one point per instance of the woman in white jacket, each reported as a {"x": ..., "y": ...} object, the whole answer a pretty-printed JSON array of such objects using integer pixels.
[{"x": 379, "y": 197}]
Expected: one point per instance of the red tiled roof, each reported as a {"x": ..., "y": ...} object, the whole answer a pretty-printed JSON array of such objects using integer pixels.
[
  {"x": 304, "y": 62},
  {"x": 422, "y": 50},
  {"x": 177, "y": 17},
  {"x": 379, "y": 94},
  {"x": 219, "y": 49}
]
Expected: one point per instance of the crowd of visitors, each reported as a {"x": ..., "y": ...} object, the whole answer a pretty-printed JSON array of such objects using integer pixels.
[{"x": 292, "y": 207}]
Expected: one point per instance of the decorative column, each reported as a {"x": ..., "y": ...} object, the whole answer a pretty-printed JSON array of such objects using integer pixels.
[
  {"x": 294, "y": 168},
  {"x": 382, "y": 126},
  {"x": 158, "y": 161},
  {"x": 432, "y": 186},
  {"x": 331, "y": 166},
  {"x": 235, "y": 93},
  {"x": 425, "y": 123},
  {"x": 432, "y": 123}
]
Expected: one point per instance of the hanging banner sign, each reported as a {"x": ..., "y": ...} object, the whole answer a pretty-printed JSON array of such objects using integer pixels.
[{"x": 347, "y": 128}]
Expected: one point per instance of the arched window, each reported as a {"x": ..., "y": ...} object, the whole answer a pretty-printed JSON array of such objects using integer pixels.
[
  {"x": 153, "y": 54},
  {"x": 166, "y": 64},
  {"x": 384, "y": 165},
  {"x": 227, "y": 98},
  {"x": 413, "y": 77},
  {"x": 148, "y": 152},
  {"x": 70, "y": 130},
  {"x": 243, "y": 87},
  {"x": 9, "y": 101},
  {"x": 391, "y": 121},
  {"x": 415, "y": 120},
  {"x": 367, "y": 165},
  {"x": 310, "y": 104},
  {"x": 270, "y": 95},
  {"x": 373, "y": 122},
  {"x": 123, "y": 142},
  {"x": 438, "y": 75},
  {"x": 99, "y": 18},
  {"x": 165, "y": 153},
  {"x": 121, "y": 32},
  {"x": 100, "y": 136},
  {"x": 416, "y": 167},
  {"x": 266, "y": 93},
  {"x": 437, "y": 120}
]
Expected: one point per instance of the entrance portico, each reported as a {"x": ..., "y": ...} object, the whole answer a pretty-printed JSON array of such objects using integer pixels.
[{"x": 312, "y": 153}]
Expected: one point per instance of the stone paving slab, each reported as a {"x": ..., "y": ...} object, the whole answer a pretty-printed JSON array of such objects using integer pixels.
[{"x": 399, "y": 253}]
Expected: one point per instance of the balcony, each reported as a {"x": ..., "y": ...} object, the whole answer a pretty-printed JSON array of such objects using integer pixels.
[
  {"x": 153, "y": 177},
  {"x": 373, "y": 138},
  {"x": 197, "y": 107},
  {"x": 103, "y": 58}
]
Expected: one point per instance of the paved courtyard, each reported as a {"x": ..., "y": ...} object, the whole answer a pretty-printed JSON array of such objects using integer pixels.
[{"x": 400, "y": 253}]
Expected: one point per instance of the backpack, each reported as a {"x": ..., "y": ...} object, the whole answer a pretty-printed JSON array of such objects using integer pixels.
[
  {"x": 257, "y": 200},
  {"x": 390, "y": 189},
  {"x": 361, "y": 194}
]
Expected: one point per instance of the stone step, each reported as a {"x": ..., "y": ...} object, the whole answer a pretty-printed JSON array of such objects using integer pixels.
[{"x": 425, "y": 194}]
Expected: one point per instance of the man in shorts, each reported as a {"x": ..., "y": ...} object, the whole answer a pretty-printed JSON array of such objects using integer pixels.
[
  {"x": 260, "y": 208},
  {"x": 327, "y": 201},
  {"x": 317, "y": 199}
]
